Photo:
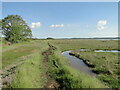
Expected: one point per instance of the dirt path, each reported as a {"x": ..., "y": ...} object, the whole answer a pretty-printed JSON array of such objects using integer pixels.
[
  {"x": 50, "y": 83},
  {"x": 9, "y": 73},
  {"x": 0, "y": 82}
]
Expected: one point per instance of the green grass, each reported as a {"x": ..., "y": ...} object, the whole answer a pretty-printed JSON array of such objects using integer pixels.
[
  {"x": 12, "y": 53},
  {"x": 31, "y": 74},
  {"x": 0, "y": 55},
  {"x": 105, "y": 64},
  {"x": 73, "y": 44}
]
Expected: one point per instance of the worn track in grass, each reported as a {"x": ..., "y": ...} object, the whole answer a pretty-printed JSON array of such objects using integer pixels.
[{"x": 50, "y": 83}]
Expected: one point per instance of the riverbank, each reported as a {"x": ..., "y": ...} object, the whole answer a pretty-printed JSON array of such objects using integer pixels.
[
  {"x": 105, "y": 64},
  {"x": 78, "y": 64},
  {"x": 68, "y": 77}
]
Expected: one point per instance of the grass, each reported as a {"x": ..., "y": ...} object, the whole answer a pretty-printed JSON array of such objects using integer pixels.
[
  {"x": 105, "y": 64},
  {"x": 31, "y": 74},
  {"x": 0, "y": 54},
  {"x": 33, "y": 71},
  {"x": 12, "y": 53},
  {"x": 72, "y": 44}
]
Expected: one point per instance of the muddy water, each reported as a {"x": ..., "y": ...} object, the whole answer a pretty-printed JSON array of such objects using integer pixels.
[{"x": 78, "y": 64}]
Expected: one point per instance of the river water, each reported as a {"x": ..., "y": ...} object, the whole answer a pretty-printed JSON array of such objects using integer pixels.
[
  {"x": 115, "y": 51},
  {"x": 78, "y": 64}
]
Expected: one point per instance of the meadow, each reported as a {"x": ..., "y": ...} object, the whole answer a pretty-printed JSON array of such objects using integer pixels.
[
  {"x": 75, "y": 44},
  {"x": 41, "y": 64}
]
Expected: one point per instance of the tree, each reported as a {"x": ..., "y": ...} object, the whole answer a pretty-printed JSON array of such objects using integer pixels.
[
  {"x": 15, "y": 29},
  {"x": 0, "y": 31},
  {"x": 0, "y": 24}
]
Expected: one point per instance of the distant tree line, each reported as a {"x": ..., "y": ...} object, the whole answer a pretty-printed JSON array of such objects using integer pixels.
[
  {"x": 15, "y": 29},
  {"x": 49, "y": 38}
]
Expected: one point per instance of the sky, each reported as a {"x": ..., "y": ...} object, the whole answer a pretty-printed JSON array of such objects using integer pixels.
[
  {"x": 67, "y": 19},
  {"x": 60, "y": 0}
]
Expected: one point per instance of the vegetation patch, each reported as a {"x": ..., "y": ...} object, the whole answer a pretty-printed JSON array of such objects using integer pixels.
[
  {"x": 30, "y": 74},
  {"x": 73, "y": 44},
  {"x": 28, "y": 71}
]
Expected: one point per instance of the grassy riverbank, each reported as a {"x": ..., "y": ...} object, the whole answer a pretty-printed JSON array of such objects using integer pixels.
[
  {"x": 68, "y": 77},
  {"x": 41, "y": 64},
  {"x": 105, "y": 64}
]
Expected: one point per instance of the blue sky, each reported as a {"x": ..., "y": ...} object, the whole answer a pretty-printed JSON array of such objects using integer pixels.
[{"x": 67, "y": 19}]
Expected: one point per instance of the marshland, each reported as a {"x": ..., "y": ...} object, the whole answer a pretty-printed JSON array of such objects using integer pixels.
[{"x": 41, "y": 63}]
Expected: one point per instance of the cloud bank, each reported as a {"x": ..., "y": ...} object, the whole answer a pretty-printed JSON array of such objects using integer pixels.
[
  {"x": 35, "y": 25},
  {"x": 101, "y": 24},
  {"x": 57, "y": 25}
]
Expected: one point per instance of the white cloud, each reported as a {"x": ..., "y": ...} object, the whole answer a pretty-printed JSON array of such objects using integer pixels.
[
  {"x": 57, "y": 25},
  {"x": 35, "y": 25},
  {"x": 101, "y": 24}
]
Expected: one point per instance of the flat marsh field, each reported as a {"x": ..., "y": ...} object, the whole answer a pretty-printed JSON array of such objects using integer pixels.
[{"x": 40, "y": 64}]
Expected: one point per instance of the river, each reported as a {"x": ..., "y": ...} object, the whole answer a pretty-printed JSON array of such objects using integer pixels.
[{"x": 79, "y": 64}]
